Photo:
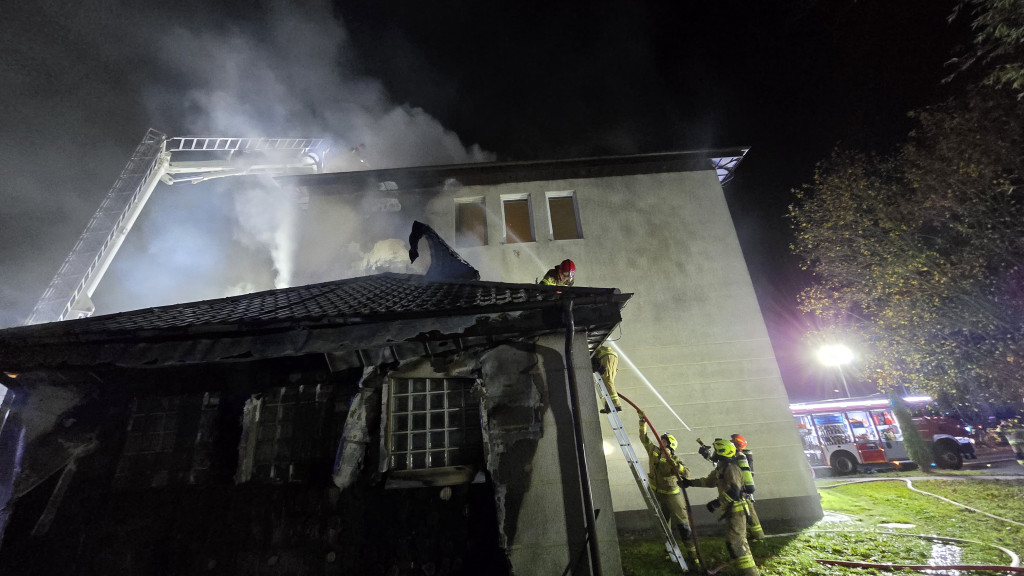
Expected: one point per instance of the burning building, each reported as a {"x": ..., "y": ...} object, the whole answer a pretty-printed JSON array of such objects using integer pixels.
[
  {"x": 653, "y": 225},
  {"x": 380, "y": 425},
  {"x": 410, "y": 422}
]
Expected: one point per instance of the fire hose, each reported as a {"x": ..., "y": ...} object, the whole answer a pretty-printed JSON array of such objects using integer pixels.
[
  {"x": 1014, "y": 566},
  {"x": 686, "y": 499}
]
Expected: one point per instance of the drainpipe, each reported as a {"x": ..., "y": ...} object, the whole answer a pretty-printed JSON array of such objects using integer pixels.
[{"x": 581, "y": 454}]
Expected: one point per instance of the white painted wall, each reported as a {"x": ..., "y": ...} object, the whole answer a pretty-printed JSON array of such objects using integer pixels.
[{"x": 693, "y": 326}]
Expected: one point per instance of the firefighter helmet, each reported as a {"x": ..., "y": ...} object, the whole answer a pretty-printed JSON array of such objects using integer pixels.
[
  {"x": 567, "y": 267},
  {"x": 724, "y": 448},
  {"x": 739, "y": 441},
  {"x": 670, "y": 441}
]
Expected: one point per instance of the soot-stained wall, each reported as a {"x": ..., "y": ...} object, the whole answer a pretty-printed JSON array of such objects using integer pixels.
[{"x": 145, "y": 510}]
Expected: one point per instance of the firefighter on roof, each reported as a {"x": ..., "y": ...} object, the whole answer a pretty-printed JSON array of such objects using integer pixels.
[
  {"x": 606, "y": 362},
  {"x": 665, "y": 472},
  {"x": 561, "y": 275},
  {"x": 728, "y": 478},
  {"x": 745, "y": 460}
]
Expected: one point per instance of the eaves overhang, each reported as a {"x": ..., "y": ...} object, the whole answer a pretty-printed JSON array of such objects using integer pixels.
[
  {"x": 155, "y": 337},
  {"x": 723, "y": 161}
]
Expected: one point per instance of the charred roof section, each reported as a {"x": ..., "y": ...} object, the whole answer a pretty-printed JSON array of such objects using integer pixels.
[{"x": 344, "y": 316}]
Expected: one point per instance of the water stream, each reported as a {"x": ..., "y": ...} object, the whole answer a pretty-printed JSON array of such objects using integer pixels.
[
  {"x": 625, "y": 358},
  {"x": 524, "y": 247}
]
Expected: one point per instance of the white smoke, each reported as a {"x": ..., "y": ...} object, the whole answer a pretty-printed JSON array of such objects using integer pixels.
[
  {"x": 288, "y": 73},
  {"x": 267, "y": 217}
]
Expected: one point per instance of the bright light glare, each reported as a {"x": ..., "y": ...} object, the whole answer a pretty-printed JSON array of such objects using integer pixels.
[
  {"x": 607, "y": 448},
  {"x": 835, "y": 355}
]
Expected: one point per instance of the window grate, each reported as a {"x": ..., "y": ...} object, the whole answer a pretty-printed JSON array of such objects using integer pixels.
[{"x": 434, "y": 424}]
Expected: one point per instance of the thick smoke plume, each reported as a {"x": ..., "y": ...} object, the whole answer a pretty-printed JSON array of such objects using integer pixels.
[{"x": 194, "y": 70}]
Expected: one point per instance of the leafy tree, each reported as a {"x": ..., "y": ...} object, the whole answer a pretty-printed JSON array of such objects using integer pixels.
[
  {"x": 916, "y": 447},
  {"x": 998, "y": 46},
  {"x": 918, "y": 257}
]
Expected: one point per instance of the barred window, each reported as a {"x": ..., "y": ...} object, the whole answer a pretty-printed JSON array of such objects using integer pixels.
[
  {"x": 160, "y": 450},
  {"x": 434, "y": 424},
  {"x": 282, "y": 433}
]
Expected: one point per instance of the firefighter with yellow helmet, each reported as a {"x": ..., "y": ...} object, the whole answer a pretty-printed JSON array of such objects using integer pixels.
[
  {"x": 728, "y": 478},
  {"x": 665, "y": 470}
]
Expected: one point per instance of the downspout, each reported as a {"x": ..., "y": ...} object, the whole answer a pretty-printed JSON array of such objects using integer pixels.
[{"x": 581, "y": 454}]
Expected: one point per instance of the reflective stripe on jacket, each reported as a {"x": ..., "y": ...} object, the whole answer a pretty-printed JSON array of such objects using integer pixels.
[{"x": 663, "y": 471}]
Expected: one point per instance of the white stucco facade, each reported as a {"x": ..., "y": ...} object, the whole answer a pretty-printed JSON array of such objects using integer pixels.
[{"x": 693, "y": 328}]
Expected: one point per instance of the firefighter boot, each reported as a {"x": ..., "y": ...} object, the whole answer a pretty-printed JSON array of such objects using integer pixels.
[{"x": 689, "y": 548}]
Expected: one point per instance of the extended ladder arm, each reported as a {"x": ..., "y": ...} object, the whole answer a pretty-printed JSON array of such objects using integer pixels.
[{"x": 69, "y": 295}]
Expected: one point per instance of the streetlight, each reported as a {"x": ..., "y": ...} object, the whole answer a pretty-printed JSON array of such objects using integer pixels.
[{"x": 836, "y": 355}]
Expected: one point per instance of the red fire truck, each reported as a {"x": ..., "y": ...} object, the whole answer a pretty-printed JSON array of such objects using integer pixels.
[{"x": 849, "y": 432}]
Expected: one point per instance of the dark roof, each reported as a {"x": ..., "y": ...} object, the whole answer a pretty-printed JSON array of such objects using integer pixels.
[
  {"x": 305, "y": 319},
  {"x": 723, "y": 161}
]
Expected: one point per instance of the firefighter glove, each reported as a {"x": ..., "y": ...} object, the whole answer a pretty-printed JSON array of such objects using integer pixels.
[
  {"x": 714, "y": 505},
  {"x": 748, "y": 489},
  {"x": 705, "y": 451},
  {"x": 685, "y": 483}
]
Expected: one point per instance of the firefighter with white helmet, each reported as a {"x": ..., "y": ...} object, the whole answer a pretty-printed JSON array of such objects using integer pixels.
[
  {"x": 728, "y": 478},
  {"x": 562, "y": 275},
  {"x": 665, "y": 471}
]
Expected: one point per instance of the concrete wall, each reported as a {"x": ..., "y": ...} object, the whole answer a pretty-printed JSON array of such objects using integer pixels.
[
  {"x": 693, "y": 327},
  {"x": 551, "y": 530},
  {"x": 530, "y": 448}
]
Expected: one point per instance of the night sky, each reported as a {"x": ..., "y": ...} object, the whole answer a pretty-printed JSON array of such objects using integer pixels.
[{"x": 433, "y": 83}]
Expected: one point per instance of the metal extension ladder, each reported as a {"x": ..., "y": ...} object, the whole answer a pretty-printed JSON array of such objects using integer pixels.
[{"x": 671, "y": 546}]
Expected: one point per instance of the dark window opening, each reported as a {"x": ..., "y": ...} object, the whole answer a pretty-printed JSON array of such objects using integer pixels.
[
  {"x": 169, "y": 441},
  {"x": 518, "y": 224},
  {"x": 470, "y": 223},
  {"x": 565, "y": 224}
]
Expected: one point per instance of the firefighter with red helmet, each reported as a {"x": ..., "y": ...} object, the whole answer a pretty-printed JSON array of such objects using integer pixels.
[
  {"x": 562, "y": 275},
  {"x": 665, "y": 471},
  {"x": 728, "y": 478},
  {"x": 745, "y": 460}
]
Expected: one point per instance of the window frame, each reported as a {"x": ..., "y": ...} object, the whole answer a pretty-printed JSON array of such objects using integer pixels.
[
  {"x": 548, "y": 196},
  {"x": 469, "y": 449},
  {"x": 482, "y": 201},
  {"x": 506, "y": 198}
]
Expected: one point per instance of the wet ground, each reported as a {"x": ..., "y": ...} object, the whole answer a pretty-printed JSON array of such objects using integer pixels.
[{"x": 993, "y": 463}]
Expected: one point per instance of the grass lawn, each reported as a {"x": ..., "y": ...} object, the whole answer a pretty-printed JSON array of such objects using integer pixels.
[{"x": 861, "y": 538}]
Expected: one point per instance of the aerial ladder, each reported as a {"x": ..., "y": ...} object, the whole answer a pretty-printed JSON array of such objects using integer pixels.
[{"x": 170, "y": 160}]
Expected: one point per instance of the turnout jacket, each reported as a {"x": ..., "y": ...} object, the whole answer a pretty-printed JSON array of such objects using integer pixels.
[
  {"x": 663, "y": 471},
  {"x": 728, "y": 478}
]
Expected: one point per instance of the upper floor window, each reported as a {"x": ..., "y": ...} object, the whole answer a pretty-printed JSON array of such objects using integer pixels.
[
  {"x": 563, "y": 214},
  {"x": 516, "y": 213},
  {"x": 470, "y": 222}
]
